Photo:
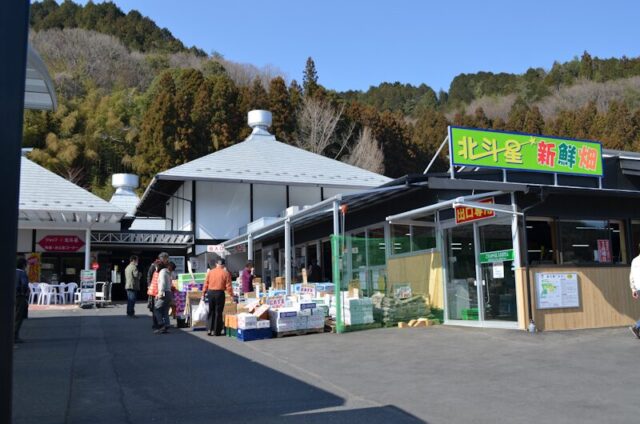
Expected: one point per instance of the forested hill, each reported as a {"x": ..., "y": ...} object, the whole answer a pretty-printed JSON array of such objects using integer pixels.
[
  {"x": 135, "y": 31},
  {"x": 133, "y": 98}
]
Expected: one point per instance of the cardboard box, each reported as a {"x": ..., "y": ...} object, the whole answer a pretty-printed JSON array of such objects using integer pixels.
[
  {"x": 231, "y": 321},
  {"x": 263, "y": 324},
  {"x": 247, "y": 321},
  {"x": 261, "y": 312}
]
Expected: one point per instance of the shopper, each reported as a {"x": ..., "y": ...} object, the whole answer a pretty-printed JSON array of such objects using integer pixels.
[
  {"x": 314, "y": 273},
  {"x": 217, "y": 282},
  {"x": 152, "y": 281},
  {"x": 132, "y": 285},
  {"x": 22, "y": 295},
  {"x": 164, "y": 298},
  {"x": 246, "y": 276},
  {"x": 634, "y": 280}
]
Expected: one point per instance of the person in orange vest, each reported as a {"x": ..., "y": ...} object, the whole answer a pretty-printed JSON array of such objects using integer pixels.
[
  {"x": 217, "y": 282},
  {"x": 152, "y": 289}
]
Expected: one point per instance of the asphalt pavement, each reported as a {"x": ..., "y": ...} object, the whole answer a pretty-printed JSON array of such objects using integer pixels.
[{"x": 98, "y": 366}]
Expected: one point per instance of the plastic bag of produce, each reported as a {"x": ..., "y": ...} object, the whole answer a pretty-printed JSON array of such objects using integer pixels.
[{"x": 201, "y": 312}]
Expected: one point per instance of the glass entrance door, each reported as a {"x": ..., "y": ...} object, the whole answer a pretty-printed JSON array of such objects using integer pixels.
[
  {"x": 480, "y": 274},
  {"x": 497, "y": 272},
  {"x": 462, "y": 289}
]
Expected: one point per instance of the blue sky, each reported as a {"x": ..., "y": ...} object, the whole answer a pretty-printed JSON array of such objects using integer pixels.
[{"x": 356, "y": 44}]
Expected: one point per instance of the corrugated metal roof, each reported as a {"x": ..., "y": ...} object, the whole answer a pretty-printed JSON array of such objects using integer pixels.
[
  {"x": 263, "y": 159},
  {"x": 46, "y": 196}
]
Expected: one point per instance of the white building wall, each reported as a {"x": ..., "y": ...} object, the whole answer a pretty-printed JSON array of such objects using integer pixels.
[
  {"x": 221, "y": 209},
  {"x": 303, "y": 196},
  {"x": 178, "y": 209},
  {"x": 268, "y": 200}
]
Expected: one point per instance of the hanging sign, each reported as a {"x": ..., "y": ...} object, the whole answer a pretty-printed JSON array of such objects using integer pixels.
[
  {"x": 496, "y": 256},
  {"x": 54, "y": 243},
  {"x": 497, "y": 149},
  {"x": 497, "y": 270},
  {"x": 466, "y": 214}
]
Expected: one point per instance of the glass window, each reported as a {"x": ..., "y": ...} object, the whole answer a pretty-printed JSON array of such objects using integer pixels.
[
  {"x": 540, "y": 236},
  {"x": 401, "y": 239},
  {"x": 635, "y": 238},
  {"x": 423, "y": 238},
  {"x": 590, "y": 242},
  {"x": 376, "y": 251}
]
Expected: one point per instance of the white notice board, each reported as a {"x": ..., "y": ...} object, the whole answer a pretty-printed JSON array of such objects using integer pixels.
[{"x": 557, "y": 290}]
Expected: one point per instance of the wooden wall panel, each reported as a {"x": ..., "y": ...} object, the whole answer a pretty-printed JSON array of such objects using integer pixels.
[
  {"x": 423, "y": 272},
  {"x": 605, "y": 300}
]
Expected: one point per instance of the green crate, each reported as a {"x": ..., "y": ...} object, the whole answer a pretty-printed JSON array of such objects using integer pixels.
[
  {"x": 231, "y": 332},
  {"x": 470, "y": 314},
  {"x": 186, "y": 278}
]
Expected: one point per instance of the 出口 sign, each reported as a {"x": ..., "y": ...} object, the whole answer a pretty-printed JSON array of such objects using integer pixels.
[
  {"x": 468, "y": 214},
  {"x": 496, "y": 149}
]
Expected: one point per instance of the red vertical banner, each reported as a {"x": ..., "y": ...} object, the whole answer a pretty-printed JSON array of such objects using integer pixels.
[{"x": 604, "y": 251}]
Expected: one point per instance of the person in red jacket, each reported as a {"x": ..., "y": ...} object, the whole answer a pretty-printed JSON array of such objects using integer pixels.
[{"x": 217, "y": 282}]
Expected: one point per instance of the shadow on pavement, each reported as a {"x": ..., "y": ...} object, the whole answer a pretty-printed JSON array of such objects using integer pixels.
[{"x": 111, "y": 369}]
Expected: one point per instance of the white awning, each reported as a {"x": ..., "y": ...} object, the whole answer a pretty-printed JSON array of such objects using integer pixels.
[{"x": 39, "y": 92}]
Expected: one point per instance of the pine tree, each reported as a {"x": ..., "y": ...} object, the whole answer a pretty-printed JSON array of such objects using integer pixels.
[
  {"x": 191, "y": 140},
  {"x": 310, "y": 78},
  {"x": 480, "y": 119},
  {"x": 586, "y": 66},
  {"x": 428, "y": 133},
  {"x": 517, "y": 115},
  {"x": 258, "y": 97},
  {"x": 295, "y": 95},
  {"x": 227, "y": 120},
  {"x": 534, "y": 122},
  {"x": 284, "y": 116}
]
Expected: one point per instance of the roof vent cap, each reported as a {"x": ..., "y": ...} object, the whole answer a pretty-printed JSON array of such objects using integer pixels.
[
  {"x": 125, "y": 184},
  {"x": 260, "y": 121}
]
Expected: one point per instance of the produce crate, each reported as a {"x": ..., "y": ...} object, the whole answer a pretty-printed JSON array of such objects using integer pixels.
[
  {"x": 254, "y": 334},
  {"x": 470, "y": 314},
  {"x": 231, "y": 332}
]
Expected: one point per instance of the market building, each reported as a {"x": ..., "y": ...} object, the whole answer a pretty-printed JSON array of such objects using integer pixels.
[
  {"x": 521, "y": 227},
  {"x": 248, "y": 185}
]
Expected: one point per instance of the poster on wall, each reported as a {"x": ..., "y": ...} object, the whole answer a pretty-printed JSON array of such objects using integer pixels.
[
  {"x": 557, "y": 290},
  {"x": 180, "y": 263},
  {"x": 604, "y": 251},
  {"x": 34, "y": 264}
]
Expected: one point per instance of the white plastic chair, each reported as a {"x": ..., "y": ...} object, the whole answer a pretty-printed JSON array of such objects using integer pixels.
[
  {"x": 47, "y": 294},
  {"x": 61, "y": 293},
  {"x": 70, "y": 293},
  {"x": 34, "y": 292}
]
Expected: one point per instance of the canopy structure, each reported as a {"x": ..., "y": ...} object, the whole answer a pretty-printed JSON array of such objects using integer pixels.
[
  {"x": 39, "y": 92},
  {"x": 48, "y": 201}
]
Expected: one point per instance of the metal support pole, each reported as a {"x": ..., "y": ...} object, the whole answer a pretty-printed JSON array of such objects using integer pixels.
[
  {"x": 336, "y": 265},
  {"x": 87, "y": 247},
  {"x": 250, "y": 247},
  {"x": 14, "y": 27},
  {"x": 433, "y": 159},
  {"x": 515, "y": 234},
  {"x": 287, "y": 255}
]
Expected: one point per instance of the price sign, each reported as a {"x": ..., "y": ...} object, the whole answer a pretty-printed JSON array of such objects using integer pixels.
[
  {"x": 276, "y": 302},
  {"x": 308, "y": 289}
]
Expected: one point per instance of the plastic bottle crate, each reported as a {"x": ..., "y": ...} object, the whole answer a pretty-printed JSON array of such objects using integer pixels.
[
  {"x": 231, "y": 332},
  {"x": 254, "y": 334},
  {"x": 470, "y": 314}
]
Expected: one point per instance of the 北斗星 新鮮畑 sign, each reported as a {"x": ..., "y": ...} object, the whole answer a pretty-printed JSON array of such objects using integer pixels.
[{"x": 496, "y": 149}]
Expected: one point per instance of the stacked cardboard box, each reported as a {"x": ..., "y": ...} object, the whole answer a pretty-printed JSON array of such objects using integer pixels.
[
  {"x": 390, "y": 311},
  {"x": 284, "y": 319},
  {"x": 357, "y": 311}
]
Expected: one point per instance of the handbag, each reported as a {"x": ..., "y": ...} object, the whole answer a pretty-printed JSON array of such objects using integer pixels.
[{"x": 202, "y": 311}]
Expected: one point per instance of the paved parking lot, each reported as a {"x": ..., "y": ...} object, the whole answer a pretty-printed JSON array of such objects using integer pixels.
[{"x": 97, "y": 366}]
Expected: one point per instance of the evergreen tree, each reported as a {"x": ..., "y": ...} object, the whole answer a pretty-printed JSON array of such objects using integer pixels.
[
  {"x": 480, "y": 119},
  {"x": 428, "y": 134},
  {"x": 258, "y": 97},
  {"x": 310, "y": 78},
  {"x": 191, "y": 139},
  {"x": 533, "y": 122},
  {"x": 158, "y": 133},
  {"x": 284, "y": 116},
  {"x": 227, "y": 120},
  {"x": 586, "y": 66},
  {"x": 295, "y": 95},
  {"x": 517, "y": 115}
]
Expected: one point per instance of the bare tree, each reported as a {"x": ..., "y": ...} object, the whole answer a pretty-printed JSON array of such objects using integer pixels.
[
  {"x": 367, "y": 153},
  {"x": 317, "y": 122}
]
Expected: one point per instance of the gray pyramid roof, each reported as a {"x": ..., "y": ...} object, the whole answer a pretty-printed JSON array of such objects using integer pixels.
[
  {"x": 46, "y": 196},
  {"x": 263, "y": 159}
]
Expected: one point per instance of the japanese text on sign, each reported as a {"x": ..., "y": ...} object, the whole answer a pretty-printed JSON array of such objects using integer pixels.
[
  {"x": 467, "y": 214},
  {"x": 497, "y": 149}
]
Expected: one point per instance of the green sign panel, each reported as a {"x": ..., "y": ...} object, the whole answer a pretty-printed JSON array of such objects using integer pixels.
[
  {"x": 497, "y": 256},
  {"x": 496, "y": 149}
]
